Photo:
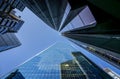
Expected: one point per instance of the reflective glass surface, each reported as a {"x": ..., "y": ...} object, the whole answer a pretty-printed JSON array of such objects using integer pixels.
[
  {"x": 7, "y": 41},
  {"x": 46, "y": 65}
]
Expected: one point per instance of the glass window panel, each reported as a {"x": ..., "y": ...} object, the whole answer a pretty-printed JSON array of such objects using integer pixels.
[{"x": 4, "y": 22}]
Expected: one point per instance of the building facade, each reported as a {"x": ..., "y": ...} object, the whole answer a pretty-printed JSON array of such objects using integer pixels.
[
  {"x": 82, "y": 68},
  {"x": 9, "y": 23},
  {"x": 8, "y": 41},
  {"x": 50, "y": 12},
  {"x": 61, "y": 13},
  {"x": 57, "y": 62},
  {"x": 104, "y": 35}
]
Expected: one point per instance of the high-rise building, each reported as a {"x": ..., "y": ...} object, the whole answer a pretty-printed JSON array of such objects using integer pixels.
[
  {"x": 78, "y": 17},
  {"x": 8, "y": 41},
  {"x": 52, "y": 64},
  {"x": 91, "y": 70},
  {"x": 46, "y": 64},
  {"x": 9, "y": 23},
  {"x": 50, "y": 11},
  {"x": 82, "y": 68},
  {"x": 58, "y": 14},
  {"x": 70, "y": 70},
  {"x": 104, "y": 35}
]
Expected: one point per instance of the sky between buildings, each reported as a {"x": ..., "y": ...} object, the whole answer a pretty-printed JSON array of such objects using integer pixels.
[{"x": 35, "y": 36}]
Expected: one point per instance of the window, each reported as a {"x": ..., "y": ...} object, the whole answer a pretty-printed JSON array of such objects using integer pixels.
[{"x": 4, "y": 22}]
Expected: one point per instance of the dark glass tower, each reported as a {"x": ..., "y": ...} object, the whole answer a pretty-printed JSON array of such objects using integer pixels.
[
  {"x": 82, "y": 68},
  {"x": 70, "y": 70},
  {"x": 104, "y": 36},
  {"x": 58, "y": 14},
  {"x": 50, "y": 11},
  {"x": 78, "y": 17},
  {"x": 91, "y": 70},
  {"x": 46, "y": 64},
  {"x": 57, "y": 62}
]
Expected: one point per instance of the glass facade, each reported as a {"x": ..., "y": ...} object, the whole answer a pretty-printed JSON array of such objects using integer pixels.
[
  {"x": 67, "y": 10},
  {"x": 70, "y": 70},
  {"x": 9, "y": 22},
  {"x": 82, "y": 68},
  {"x": 46, "y": 65},
  {"x": 91, "y": 70},
  {"x": 7, "y": 41},
  {"x": 58, "y": 62},
  {"x": 83, "y": 18}
]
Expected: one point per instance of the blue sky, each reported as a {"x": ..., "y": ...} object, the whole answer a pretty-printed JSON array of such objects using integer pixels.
[{"x": 35, "y": 36}]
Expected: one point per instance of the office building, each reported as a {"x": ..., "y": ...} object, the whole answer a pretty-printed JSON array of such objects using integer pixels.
[
  {"x": 104, "y": 35},
  {"x": 49, "y": 11},
  {"x": 78, "y": 17},
  {"x": 91, "y": 70},
  {"x": 9, "y": 23},
  {"x": 58, "y": 14},
  {"x": 111, "y": 58},
  {"x": 50, "y": 63},
  {"x": 46, "y": 64},
  {"x": 70, "y": 70},
  {"x": 82, "y": 68},
  {"x": 8, "y": 41}
]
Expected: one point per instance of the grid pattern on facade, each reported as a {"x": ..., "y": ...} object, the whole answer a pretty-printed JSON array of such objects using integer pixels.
[
  {"x": 7, "y": 41},
  {"x": 46, "y": 65},
  {"x": 70, "y": 70},
  {"x": 92, "y": 70},
  {"x": 9, "y": 22}
]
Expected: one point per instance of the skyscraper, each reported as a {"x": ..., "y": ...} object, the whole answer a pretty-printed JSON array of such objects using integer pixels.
[
  {"x": 50, "y": 63},
  {"x": 91, "y": 70},
  {"x": 104, "y": 36},
  {"x": 46, "y": 64},
  {"x": 51, "y": 12},
  {"x": 8, "y": 41},
  {"x": 58, "y": 14},
  {"x": 70, "y": 70},
  {"x": 9, "y": 23},
  {"x": 82, "y": 68},
  {"x": 78, "y": 17}
]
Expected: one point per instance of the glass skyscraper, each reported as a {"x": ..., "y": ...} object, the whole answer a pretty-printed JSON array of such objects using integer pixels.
[
  {"x": 51, "y": 64},
  {"x": 8, "y": 41},
  {"x": 101, "y": 32},
  {"x": 46, "y": 65},
  {"x": 10, "y": 23}
]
